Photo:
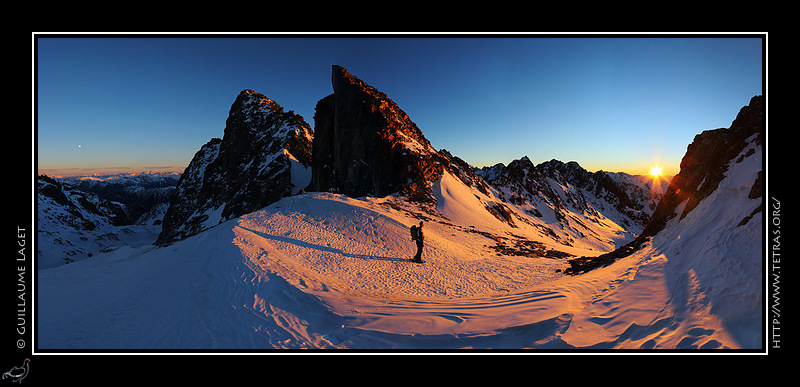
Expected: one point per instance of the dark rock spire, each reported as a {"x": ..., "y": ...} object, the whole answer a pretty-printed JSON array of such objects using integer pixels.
[{"x": 366, "y": 145}]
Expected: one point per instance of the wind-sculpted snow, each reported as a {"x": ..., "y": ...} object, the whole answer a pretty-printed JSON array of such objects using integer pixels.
[{"x": 364, "y": 248}]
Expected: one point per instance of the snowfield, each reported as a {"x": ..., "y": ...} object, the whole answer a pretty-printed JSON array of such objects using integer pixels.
[{"x": 322, "y": 270}]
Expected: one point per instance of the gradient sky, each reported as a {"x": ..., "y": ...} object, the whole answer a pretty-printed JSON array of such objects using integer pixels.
[{"x": 618, "y": 103}]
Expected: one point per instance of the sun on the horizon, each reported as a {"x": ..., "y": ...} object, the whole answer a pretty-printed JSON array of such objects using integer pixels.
[{"x": 655, "y": 171}]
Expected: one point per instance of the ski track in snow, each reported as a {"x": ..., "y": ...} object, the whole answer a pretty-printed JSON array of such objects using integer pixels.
[{"x": 326, "y": 271}]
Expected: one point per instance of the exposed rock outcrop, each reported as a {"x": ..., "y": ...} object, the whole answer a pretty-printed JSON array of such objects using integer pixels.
[
  {"x": 263, "y": 156},
  {"x": 365, "y": 144}
]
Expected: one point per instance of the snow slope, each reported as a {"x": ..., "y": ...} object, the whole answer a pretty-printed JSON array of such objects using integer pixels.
[
  {"x": 323, "y": 270},
  {"x": 698, "y": 284}
]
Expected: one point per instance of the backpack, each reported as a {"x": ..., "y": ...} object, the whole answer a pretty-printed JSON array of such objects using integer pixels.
[{"x": 414, "y": 234}]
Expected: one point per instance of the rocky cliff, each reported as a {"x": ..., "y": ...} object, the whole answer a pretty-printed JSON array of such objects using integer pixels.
[
  {"x": 264, "y": 155},
  {"x": 704, "y": 165},
  {"x": 364, "y": 144}
]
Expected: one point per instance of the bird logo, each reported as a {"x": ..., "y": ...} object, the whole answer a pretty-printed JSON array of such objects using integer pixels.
[{"x": 18, "y": 373}]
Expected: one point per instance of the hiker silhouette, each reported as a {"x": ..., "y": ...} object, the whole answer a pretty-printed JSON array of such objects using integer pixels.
[{"x": 416, "y": 235}]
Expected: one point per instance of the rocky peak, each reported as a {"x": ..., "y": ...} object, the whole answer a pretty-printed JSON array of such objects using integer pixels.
[
  {"x": 366, "y": 145},
  {"x": 491, "y": 173},
  {"x": 254, "y": 118},
  {"x": 523, "y": 184},
  {"x": 570, "y": 171},
  {"x": 262, "y": 157},
  {"x": 522, "y": 171}
]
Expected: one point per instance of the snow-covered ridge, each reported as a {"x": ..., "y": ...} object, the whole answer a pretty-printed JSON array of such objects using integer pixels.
[{"x": 139, "y": 178}]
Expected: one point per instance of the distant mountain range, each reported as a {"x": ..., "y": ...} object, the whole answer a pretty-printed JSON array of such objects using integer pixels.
[{"x": 78, "y": 217}]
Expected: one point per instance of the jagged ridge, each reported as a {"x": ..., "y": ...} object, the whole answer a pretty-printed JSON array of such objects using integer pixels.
[{"x": 262, "y": 157}]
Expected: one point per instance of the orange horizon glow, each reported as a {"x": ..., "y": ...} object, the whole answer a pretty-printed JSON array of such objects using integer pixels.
[
  {"x": 58, "y": 173},
  {"x": 105, "y": 171}
]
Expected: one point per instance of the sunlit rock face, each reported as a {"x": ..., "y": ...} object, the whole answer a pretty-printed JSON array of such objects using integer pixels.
[{"x": 366, "y": 145}]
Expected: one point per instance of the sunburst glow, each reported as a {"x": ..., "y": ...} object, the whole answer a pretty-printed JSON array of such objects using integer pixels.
[{"x": 655, "y": 171}]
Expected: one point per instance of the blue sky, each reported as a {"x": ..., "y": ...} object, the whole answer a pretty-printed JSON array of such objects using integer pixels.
[{"x": 616, "y": 103}]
